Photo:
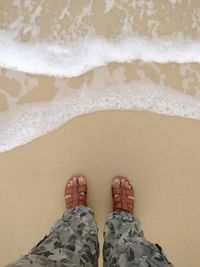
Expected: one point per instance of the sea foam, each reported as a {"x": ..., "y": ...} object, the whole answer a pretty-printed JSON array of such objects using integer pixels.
[
  {"x": 22, "y": 124},
  {"x": 73, "y": 59}
]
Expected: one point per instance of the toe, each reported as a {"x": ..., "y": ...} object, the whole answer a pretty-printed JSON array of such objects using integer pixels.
[
  {"x": 116, "y": 182},
  {"x": 123, "y": 183},
  {"x": 74, "y": 180},
  {"x": 69, "y": 184},
  {"x": 81, "y": 180},
  {"x": 123, "y": 180},
  {"x": 128, "y": 185}
]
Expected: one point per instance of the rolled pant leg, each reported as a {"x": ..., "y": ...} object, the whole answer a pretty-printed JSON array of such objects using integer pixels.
[
  {"x": 72, "y": 241},
  {"x": 125, "y": 245}
]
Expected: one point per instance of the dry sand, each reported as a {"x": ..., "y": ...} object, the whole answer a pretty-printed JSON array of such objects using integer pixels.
[{"x": 160, "y": 155}]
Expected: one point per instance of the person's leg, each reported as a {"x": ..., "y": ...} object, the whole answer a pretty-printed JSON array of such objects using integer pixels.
[
  {"x": 124, "y": 241},
  {"x": 73, "y": 239}
]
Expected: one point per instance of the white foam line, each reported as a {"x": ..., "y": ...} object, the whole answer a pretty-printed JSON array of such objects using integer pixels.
[
  {"x": 73, "y": 59},
  {"x": 31, "y": 121}
]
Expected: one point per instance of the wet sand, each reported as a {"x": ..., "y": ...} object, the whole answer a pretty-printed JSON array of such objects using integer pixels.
[{"x": 159, "y": 154}]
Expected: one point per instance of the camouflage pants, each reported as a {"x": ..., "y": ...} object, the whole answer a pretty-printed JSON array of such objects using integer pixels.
[
  {"x": 125, "y": 245},
  {"x": 73, "y": 242}
]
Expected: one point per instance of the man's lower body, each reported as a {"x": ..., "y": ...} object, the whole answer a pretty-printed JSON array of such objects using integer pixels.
[{"x": 73, "y": 240}]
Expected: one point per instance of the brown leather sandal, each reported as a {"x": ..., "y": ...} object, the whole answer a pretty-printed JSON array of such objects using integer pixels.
[
  {"x": 123, "y": 194},
  {"x": 76, "y": 192}
]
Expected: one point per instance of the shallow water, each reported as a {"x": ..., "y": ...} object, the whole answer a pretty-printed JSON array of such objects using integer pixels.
[{"x": 60, "y": 60}]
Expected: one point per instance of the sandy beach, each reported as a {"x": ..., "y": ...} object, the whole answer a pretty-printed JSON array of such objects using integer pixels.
[
  {"x": 60, "y": 59},
  {"x": 160, "y": 155}
]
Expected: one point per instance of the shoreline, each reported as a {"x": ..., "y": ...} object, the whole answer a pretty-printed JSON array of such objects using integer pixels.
[{"x": 160, "y": 155}]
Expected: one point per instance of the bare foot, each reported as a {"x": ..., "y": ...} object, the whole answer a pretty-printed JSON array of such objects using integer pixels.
[
  {"x": 76, "y": 192},
  {"x": 123, "y": 194}
]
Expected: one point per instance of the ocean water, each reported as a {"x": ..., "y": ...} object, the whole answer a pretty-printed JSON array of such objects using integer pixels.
[{"x": 61, "y": 59}]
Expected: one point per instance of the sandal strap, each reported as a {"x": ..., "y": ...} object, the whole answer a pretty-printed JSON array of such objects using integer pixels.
[
  {"x": 126, "y": 191},
  {"x": 82, "y": 188}
]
